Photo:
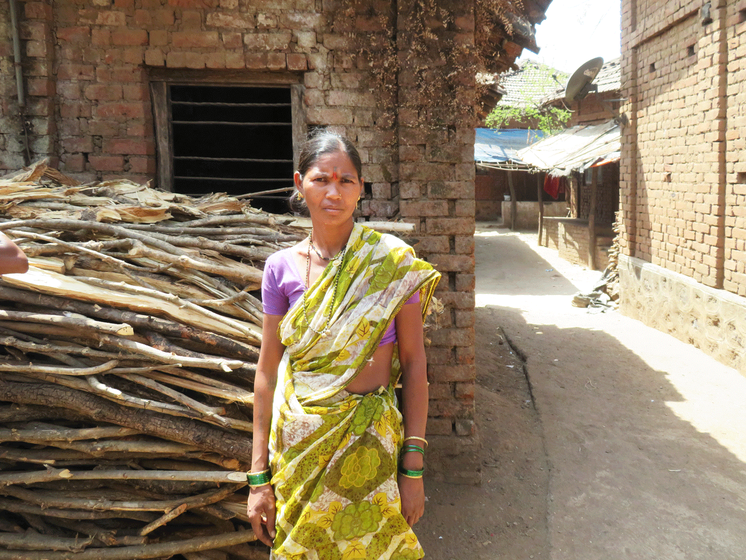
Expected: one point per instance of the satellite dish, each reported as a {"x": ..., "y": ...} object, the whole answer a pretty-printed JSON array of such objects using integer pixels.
[{"x": 581, "y": 81}]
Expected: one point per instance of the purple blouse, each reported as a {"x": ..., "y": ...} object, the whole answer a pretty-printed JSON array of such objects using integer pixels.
[{"x": 283, "y": 285}]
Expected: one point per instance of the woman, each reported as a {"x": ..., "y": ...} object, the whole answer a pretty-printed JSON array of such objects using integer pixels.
[
  {"x": 12, "y": 259},
  {"x": 343, "y": 321}
]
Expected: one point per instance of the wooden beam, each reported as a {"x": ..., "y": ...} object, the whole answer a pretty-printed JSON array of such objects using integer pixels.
[
  {"x": 540, "y": 198},
  {"x": 513, "y": 201},
  {"x": 162, "y": 119},
  {"x": 592, "y": 220}
]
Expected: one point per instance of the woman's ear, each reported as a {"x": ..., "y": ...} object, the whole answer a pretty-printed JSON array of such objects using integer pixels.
[{"x": 298, "y": 179}]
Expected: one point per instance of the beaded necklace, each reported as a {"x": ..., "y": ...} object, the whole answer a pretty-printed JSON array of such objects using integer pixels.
[{"x": 338, "y": 258}]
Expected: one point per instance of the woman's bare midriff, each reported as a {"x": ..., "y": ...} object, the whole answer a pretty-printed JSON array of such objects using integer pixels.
[{"x": 375, "y": 374}]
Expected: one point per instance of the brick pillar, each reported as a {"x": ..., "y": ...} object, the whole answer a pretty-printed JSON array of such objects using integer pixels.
[
  {"x": 437, "y": 174},
  {"x": 10, "y": 151},
  {"x": 37, "y": 24}
]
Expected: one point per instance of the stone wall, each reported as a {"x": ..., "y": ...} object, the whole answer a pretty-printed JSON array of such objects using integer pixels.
[
  {"x": 365, "y": 68},
  {"x": 683, "y": 176},
  {"x": 710, "y": 319}
]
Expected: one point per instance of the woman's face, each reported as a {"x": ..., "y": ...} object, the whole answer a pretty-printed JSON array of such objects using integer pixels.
[{"x": 331, "y": 187}]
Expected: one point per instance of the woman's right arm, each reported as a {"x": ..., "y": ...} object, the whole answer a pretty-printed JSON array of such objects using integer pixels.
[
  {"x": 261, "y": 506},
  {"x": 12, "y": 259}
]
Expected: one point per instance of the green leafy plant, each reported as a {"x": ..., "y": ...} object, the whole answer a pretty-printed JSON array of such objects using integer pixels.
[
  {"x": 534, "y": 81},
  {"x": 549, "y": 120}
]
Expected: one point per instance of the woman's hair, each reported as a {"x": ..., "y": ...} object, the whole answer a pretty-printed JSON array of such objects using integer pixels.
[{"x": 320, "y": 143}]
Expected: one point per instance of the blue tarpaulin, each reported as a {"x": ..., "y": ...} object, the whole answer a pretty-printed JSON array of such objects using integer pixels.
[{"x": 500, "y": 146}]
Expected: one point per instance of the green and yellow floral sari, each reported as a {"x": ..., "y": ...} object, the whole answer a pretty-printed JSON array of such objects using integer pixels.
[{"x": 334, "y": 454}]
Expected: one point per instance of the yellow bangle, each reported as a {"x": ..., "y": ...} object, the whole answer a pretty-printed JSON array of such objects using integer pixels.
[{"x": 423, "y": 440}]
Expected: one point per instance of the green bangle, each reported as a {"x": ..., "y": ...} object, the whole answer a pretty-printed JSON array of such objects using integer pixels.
[
  {"x": 408, "y": 448},
  {"x": 258, "y": 478},
  {"x": 411, "y": 474}
]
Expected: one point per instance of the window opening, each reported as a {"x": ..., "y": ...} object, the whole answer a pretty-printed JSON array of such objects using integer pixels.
[{"x": 232, "y": 139}]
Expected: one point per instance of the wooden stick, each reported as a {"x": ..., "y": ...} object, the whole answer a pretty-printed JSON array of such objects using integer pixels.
[
  {"x": 16, "y": 368},
  {"x": 249, "y": 330},
  {"x": 43, "y": 542},
  {"x": 148, "y": 301},
  {"x": 18, "y": 412},
  {"x": 65, "y": 474},
  {"x": 137, "y": 320},
  {"x": 157, "y": 550},
  {"x": 231, "y": 394},
  {"x": 104, "y": 536},
  {"x": 106, "y": 448},
  {"x": 45, "y": 434},
  {"x": 50, "y": 499},
  {"x": 163, "y": 519},
  {"x": 135, "y": 347},
  {"x": 212, "y": 412},
  {"x": 75, "y": 247},
  {"x": 22, "y": 507},
  {"x": 173, "y": 428},
  {"x": 67, "y": 321}
]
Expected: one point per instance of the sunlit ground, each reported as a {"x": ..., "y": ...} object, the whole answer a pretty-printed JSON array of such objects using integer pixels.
[{"x": 713, "y": 396}]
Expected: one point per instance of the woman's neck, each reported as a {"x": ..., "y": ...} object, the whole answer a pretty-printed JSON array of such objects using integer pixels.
[{"x": 330, "y": 240}]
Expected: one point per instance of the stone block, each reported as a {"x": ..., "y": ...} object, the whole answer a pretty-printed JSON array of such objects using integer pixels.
[
  {"x": 106, "y": 163},
  {"x": 450, "y": 226},
  {"x": 191, "y": 39}
]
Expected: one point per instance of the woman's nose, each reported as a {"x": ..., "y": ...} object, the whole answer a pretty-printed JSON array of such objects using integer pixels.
[{"x": 334, "y": 190}]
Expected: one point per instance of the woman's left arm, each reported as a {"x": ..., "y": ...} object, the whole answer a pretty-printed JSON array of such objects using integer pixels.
[{"x": 410, "y": 337}]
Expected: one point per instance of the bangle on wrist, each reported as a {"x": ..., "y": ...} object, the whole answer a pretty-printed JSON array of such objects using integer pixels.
[
  {"x": 415, "y": 448},
  {"x": 257, "y": 479},
  {"x": 423, "y": 440},
  {"x": 411, "y": 473}
]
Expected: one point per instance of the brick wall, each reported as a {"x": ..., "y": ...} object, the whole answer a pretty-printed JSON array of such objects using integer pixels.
[
  {"x": 683, "y": 197},
  {"x": 596, "y": 108},
  {"x": 87, "y": 67},
  {"x": 734, "y": 257}
]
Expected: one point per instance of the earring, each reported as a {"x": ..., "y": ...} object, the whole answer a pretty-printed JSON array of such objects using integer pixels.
[{"x": 300, "y": 196}]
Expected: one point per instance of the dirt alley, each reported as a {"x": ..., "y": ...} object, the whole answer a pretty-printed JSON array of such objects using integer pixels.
[{"x": 602, "y": 439}]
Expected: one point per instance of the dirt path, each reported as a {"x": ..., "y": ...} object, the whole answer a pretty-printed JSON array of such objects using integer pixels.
[{"x": 612, "y": 440}]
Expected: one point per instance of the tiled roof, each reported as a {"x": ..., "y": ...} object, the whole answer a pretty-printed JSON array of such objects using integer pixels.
[
  {"x": 610, "y": 76},
  {"x": 530, "y": 84}
]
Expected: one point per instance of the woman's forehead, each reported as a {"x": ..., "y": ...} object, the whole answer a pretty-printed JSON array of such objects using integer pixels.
[{"x": 338, "y": 162}]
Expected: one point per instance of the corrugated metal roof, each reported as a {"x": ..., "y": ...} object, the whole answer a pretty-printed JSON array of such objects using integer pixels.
[
  {"x": 575, "y": 149},
  {"x": 498, "y": 146}
]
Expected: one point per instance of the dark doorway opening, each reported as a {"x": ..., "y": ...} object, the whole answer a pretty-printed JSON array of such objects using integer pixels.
[{"x": 233, "y": 139}]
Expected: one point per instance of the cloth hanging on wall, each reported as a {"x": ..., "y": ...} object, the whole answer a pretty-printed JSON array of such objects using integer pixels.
[{"x": 554, "y": 186}]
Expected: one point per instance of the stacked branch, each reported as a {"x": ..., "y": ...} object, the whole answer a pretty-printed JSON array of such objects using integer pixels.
[{"x": 127, "y": 356}]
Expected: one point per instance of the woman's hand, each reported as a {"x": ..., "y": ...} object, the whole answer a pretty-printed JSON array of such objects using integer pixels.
[
  {"x": 412, "y": 492},
  {"x": 261, "y": 512}
]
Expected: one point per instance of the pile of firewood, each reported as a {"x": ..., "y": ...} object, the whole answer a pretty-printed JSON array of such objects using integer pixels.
[{"x": 127, "y": 357}]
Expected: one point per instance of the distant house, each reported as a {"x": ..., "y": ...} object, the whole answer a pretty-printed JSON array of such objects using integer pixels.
[
  {"x": 585, "y": 159},
  {"x": 495, "y": 152}
]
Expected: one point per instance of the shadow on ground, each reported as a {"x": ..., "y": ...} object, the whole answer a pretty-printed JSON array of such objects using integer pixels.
[{"x": 597, "y": 465}]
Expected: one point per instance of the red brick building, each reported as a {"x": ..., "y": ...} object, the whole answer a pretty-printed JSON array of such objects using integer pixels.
[
  {"x": 157, "y": 89},
  {"x": 683, "y": 175}
]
